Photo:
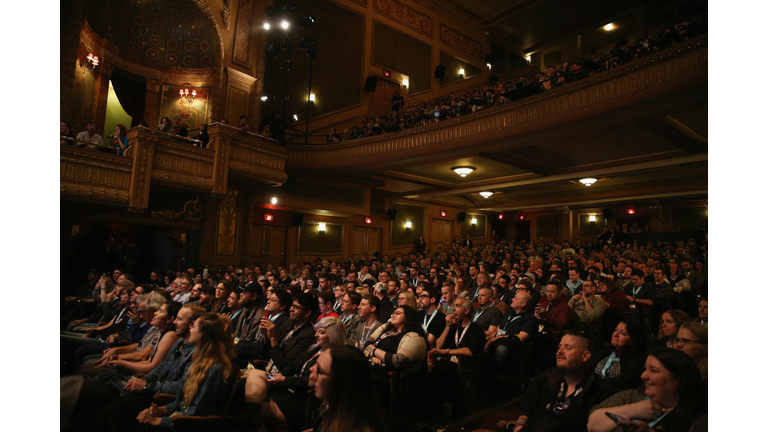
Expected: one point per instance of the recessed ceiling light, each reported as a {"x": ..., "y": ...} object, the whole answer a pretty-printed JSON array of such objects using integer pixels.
[
  {"x": 608, "y": 27},
  {"x": 588, "y": 181},
  {"x": 486, "y": 194},
  {"x": 463, "y": 170}
]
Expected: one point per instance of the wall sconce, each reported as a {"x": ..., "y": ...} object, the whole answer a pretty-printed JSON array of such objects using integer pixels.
[
  {"x": 474, "y": 221},
  {"x": 269, "y": 217},
  {"x": 592, "y": 218},
  {"x": 408, "y": 224},
  {"x": 295, "y": 117},
  {"x": 489, "y": 65},
  {"x": 321, "y": 227},
  {"x": 405, "y": 82},
  {"x": 461, "y": 72},
  {"x": 312, "y": 97},
  {"x": 90, "y": 62},
  {"x": 608, "y": 27},
  {"x": 264, "y": 98},
  {"x": 186, "y": 94},
  {"x": 528, "y": 58}
]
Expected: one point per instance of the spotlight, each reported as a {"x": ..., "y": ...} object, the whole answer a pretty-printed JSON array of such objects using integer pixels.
[
  {"x": 489, "y": 65},
  {"x": 295, "y": 117},
  {"x": 608, "y": 27},
  {"x": 285, "y": 24},
  {"x": 405, "y": 82},
  {"x": 267, "y": 26},
  {"x": 311, "y": 97},
  {"x": 263, "y": 98},
  {"x": 273, "y": 200}
]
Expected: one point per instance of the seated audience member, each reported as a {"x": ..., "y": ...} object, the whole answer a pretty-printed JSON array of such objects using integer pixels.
[
  {"x": 349, "y": 304},
  {"x": 233, "y": 304},
  {"x": 243, "y": 124},
  {"x": 338, "y": 293},
  {"x": 692, "y": 340},
  {"x": 287, "y": 346},
  {"x": 184, "y": 286},
  {"x": 496, "y": 299},
  {"x": 326, "y": 300},
  {"x": 369, "y": 305},
  {"x": 449, "y": 295},
  {"x": 486, "y": 316},
  {"x": 207, "y": 294},
  {"x": 560, "y": 399},
  {"x": 671, "y": 321},
  {"x": 203, "y": 135},
  {"x": 399, "y": 344},
  {"x": 525, "y": 285},
  {"x": 89, "y": 138},
  {"x": 281, "y": 397},
  {"x": 588, "y": 306},
  {"x": 641, "y": 299},
  {"x": 221, "y": 297},
  {"x": 406, "y": 298},
  {"x": 177, "y": 128},
  {"x": 431, "y": 319},
  {"x": 164, "y": 125},
  {"x": 344, "y": 385},
  {"x": 65, "y": 133},
  {"x": 672, "y": 399},
  {"x": 553, "y": 312},
  {"x": 518, "y": 326},
  {"x": 622, "y": 361},
  {"x": 703, "y": 311},
  {"x": 120, "y": 139},
  {"x": 210, "y": 378}
]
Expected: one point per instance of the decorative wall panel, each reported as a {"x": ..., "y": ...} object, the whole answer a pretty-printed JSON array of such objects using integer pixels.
[
  {"x": 404, "y": 15},
  {"x": 238, "y": 103},
  {"x": 241, "y": 52},
  {"x": 225, "y": 240},
  {"x": 314, "y": 242},
  {"x": 461, "y": 42},
  {"x": 192, "y": 115},
  {"x": 399, "y": 235}
]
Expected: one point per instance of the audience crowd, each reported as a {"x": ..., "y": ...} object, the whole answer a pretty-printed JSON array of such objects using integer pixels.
[
  {"x": 586, "y": 326},
  {"x": 419, "y": 113}
]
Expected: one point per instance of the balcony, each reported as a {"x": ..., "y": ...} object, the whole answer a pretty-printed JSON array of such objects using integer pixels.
[{"x": 159, "y": 159}]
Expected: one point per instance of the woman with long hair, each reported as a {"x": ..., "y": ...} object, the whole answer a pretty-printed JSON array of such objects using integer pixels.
[
  {"x": 343, "y": 382},
  {"x": 399, "y": 344},
  {"x": 221, "y": 297},
  {"x": 670, "y": 322},
  {"x": 671, "y": 399},
  {"x": 281, "y": 397},
  {"x": 210, "y": 375},
  {"x": 164, "y": 125},
  {"x": 120, "y": 140},
  {"x": 692, "y": 340}
]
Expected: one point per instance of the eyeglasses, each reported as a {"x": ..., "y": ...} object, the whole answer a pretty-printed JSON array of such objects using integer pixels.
[
  {"x": 295, "y": 306},
  {"x": 424, "y": 296},
  {"x": 684, "y": 341}
]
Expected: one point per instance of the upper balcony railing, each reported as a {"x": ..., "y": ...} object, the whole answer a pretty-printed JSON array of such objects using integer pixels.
[
  {"x": 162, "y": 159},
  {"x": 674, "y": 69}
]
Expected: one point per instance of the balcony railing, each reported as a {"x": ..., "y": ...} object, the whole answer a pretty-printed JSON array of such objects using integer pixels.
[{"x": 157, "y": 158}]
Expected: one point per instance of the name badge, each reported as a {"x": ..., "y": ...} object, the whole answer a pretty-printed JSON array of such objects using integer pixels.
[
  {"x": 501, "y": 332},
  {"x": 455, "y": 359},
  {"x": 633, "y": 306}
]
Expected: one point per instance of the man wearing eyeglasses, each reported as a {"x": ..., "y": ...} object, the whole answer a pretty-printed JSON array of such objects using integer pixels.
[
  {"x": 430, "y": 317},
  {"x": 588, "y": 306},
  {"x": 338, "y": 293},
  {"x": 300, "y": 337},
  {"x": 560, "y": 399},
  {"x": 275, "y": 320},
  {"x": 349, "y": 317}
]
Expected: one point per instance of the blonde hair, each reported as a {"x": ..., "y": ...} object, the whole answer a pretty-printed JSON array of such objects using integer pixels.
[
  {"x": 410, "y": 298},
  {"x": 215, "y": 346}
]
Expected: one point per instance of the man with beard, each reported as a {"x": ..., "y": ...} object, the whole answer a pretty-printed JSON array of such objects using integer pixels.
[
  {"x": 247, "y": 324},
  {"x": 430, "y": 317},
  {"x": 560, "y": 399},
  {"x": 349, "y": 317},
  {"x": 288, "y": 346}
]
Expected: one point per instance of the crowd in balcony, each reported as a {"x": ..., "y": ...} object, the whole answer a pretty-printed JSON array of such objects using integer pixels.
[
  {"x": 419, "y": 113},
  {"x": 584, "y": 328}
]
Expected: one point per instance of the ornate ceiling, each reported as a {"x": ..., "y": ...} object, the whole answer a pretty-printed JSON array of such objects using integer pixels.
[{"x": 171, "y": 32}]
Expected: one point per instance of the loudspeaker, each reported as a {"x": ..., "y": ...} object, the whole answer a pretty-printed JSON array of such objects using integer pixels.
[
  {"x": 461, "y": 216},
  {"x": 440, "y": 71},
  {"x": 298, "y": 219},
  {"x": 607, "y": 213},
  {"x": 391, "y": 214},
  {"x": 370, "y": 83}
]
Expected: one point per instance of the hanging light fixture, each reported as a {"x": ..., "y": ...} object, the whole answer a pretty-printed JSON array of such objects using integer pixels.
[
  {"x": 463, "y": 170},
  {"x": 588, "y": 181},
  {"x": 486, "y": 194},
  {"x": 187, "y": 93}
]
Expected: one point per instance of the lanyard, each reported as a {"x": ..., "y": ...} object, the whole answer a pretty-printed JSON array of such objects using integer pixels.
[
  {"x": 366, "y": 335},
  {"x": 458, "y": 339},
  {"x": 658, "y": 419},
  {"x": 611, "y": 360},
  {"x": 346, "y": 320},
  {"x": 635, "y": 291},
  {"x": 478, "y": 313},
  {"x": 426, "y": 323}
]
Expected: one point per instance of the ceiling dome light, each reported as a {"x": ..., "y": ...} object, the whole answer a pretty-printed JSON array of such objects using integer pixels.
[
  {"x": 486, "y": 194},
  {"x": 463, "y": 170},
  {"x": 608, "y": 27},
  {"x": 587, "y": 181}
]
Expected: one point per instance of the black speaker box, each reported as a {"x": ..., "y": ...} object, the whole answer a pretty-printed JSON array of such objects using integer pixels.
[
  {"x": 391, "y": 214},
  {"x": 440, "y": 71},
  {"x": 370, "y": 83},
  {"x": 298, "y": 219},
  {"x": 461, "y": 216}
]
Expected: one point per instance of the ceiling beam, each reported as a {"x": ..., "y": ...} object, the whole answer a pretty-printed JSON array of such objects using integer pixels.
[
  {"x": 675, "y": 132},
  {"x": 597, "y": 201},
  {"x": 519, "y": 163},
  {"x": 589, "y": 173}
]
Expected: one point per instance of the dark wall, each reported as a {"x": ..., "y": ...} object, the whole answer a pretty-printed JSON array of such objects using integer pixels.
[
  {"x": 474, "y": 231},
  {"x": 313, "y": 242},
  {"x": 400, "y": 52},
  {"x": 452, "y": 65},
  {"x": 399, "y": 235}
]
